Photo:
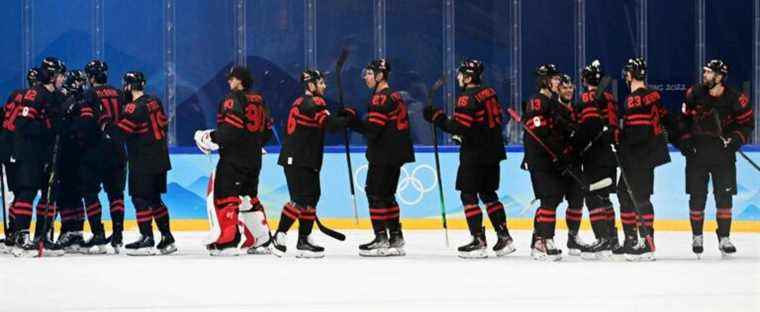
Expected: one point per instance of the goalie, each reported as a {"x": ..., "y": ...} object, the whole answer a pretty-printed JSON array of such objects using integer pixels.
[{"x": 243, "y": 127}]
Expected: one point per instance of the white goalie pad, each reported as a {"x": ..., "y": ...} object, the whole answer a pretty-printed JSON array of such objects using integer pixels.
[{"x": 252, "y": 224}]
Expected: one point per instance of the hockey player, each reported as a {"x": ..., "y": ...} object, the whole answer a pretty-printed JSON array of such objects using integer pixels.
[
  {"x": 143, "y": 127},
  {"x": 597, "y": 119},
  {"x": 548, "y": 158},
  {"x": 717, "y": 120},
  {"x": 11, "y": 110},
  {"x": 389, "y": 146},
  {"x": 243, "y": 127},
  {"x": 301, "y": 158},
  {"x": 567, "y": 118},
  {"x": 33, "y": 148},
  {"x": 478, "y": 121},
  {"x": 642, "y": 148},
  {"x": 68, "y": 195},
  {"x": 104, "y": 158}
]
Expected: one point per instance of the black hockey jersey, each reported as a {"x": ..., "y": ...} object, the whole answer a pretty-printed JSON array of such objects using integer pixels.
[
  {"x": 643, "y": 143},
  {"x": 706, "y": 119},
  {"x": 305, "y": 136},
  {"x": 551, "y": 123},
  {"x": 593, "y": 115},
  {"x": 243, "y": 127},
  {"x": 143, "y": 127},
  {"x": 33, "y": 136},
  {"x": 108, "y": 105},
  {"x": 10, "y": 113},
  {"x": 478, "y": 119},
  {"x": 387, "y": 130}
]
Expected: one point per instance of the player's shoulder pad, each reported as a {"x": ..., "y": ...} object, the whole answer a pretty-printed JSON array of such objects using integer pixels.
[
  {"x": 484, "y": 94},
  {"x": 254, "y": 97},
  {"x": 318, "y": 101}
]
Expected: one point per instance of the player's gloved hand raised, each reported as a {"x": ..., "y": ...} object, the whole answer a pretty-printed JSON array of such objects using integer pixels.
[
  {"x": 432, "y": 114},
  {"x": 204, "y": 142}
]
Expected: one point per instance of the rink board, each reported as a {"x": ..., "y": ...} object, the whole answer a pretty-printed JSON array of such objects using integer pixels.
[{"x": 418, "y": 191}]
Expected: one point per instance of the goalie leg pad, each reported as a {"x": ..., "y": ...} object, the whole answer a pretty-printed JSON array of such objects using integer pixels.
[
  {"x": 227, "y": 215},
  {"x": 255, "y": 228}
]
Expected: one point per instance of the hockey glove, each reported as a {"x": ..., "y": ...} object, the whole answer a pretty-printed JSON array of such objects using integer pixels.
[
  {"x": 686, "y": 146},
  {"x": 432, "y": 114},
  {"x": 733, "y": 142},
  {"x": 203, "y": 141}
]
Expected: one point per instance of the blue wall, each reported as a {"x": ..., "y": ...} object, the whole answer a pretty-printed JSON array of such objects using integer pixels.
[{"x": 415, "y": 38}]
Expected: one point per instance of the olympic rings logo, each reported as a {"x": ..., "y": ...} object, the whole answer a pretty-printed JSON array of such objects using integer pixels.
[{"x": 406, "y": 180}]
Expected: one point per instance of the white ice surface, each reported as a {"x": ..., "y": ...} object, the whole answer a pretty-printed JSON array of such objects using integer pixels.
[{"x": 429, "y": 278}]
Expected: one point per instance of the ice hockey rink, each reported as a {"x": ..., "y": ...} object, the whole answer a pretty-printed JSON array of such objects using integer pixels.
[{"x": 429, "y": 278}]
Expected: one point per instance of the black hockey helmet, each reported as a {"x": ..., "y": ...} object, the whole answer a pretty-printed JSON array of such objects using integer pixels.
[
  {"x": 547, "y": 70},
  {"x": 241, "y": 73},
  {"x": 637, "y": 67},
  {"x": 32, "y": 76},
  {"x": 98, "y": 70},
  {"x": 544, "y": 73},
  {"x": 565, "y": 79},
  {"x": 379, "y": 66},
  {"x": 717, "y": 66},
  {"x": 592, "y": 74},
  {"x": 472, "y": 68},
  {"x": 49, "y": 68},
  {"x": 135, "y": 79},
  {"x": 73, "y": 77},
  {"x": 311, "y": 75}
]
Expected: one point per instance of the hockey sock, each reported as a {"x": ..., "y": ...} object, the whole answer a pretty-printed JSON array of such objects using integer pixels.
[
  {"x": 144, "y": 216},
  {"x": 44, "y": 215},
  {"x": 72, "y": 218},
  {"x": 377, "y": 216},
  {"x": 393, "y": 217},
  {"x": 498, "y": 216},
  {"x": 647, "y": 215},
  {"x": 474, "y": 218},
  {"x": 94, "y": 213},
  {"x": 573, "y": 216},
  {"x": 161, "y": 216},
  {"x": 724, "y": 204},
  {"x": 22, "y": 210},
  {"x": 697, "y": 213},
  {"x": 290, "y": 213},
  {"x": 599, "y": 225},
  {"x": 116, "y": 203},
  {"x": 546, "y": 221},
  {"x": 306, "y": 221}
]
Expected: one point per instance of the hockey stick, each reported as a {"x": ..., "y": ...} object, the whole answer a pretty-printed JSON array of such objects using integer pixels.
[
  {"x": 48, "y": 226},
  {"x": 329, "y": 232},
  {"x": 437, "y": 85},
  {"x": 338, "y": 69},
  {"x": 643, "y": 230},
  {"x": 584, "y": 187}
]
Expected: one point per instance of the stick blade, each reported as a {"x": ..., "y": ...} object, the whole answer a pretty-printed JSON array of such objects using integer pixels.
[{"x": 598, "y": 185}]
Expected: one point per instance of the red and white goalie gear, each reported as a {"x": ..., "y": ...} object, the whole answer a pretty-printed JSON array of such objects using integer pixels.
[
  {"x": 239, "y": 215},
  {"x": 252, "y": 221}
]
